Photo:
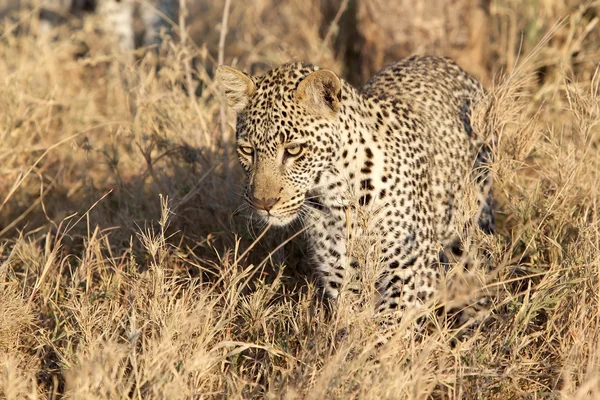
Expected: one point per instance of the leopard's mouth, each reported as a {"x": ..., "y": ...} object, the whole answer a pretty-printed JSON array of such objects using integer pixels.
[
  {"x": 284, "y": 212},
  {"x": 284, "y": 217}
]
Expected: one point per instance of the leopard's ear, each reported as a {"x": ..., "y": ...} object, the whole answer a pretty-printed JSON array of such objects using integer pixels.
[
  {"x": 321, "y": 92},
  {"x": 237, "y": 86}
]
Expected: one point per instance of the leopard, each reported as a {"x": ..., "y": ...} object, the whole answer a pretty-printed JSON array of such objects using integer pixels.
[{"x": 316, "y": 149}]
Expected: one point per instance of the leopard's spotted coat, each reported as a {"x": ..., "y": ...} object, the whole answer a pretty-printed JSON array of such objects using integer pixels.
[{"x": 402, "y": 146}]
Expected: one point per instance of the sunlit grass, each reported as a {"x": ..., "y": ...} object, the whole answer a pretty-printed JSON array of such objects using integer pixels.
[{"x": 129, "y": 268}]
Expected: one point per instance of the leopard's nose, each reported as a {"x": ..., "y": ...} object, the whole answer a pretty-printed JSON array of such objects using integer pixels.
[{"x": 265, "y": 203}]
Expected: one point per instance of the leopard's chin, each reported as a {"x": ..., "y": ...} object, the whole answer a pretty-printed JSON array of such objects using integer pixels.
[{"x": 277, "y": 220}]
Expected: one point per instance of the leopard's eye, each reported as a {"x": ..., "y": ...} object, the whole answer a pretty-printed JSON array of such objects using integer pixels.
[
  {"x": 247, "y": 150},
  {"x": 294, "y": 150}
]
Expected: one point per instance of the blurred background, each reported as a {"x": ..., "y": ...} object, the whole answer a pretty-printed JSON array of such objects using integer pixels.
[{"x": 360, "y": 37}]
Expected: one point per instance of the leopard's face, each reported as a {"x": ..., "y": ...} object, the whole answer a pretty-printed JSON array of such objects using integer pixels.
[
  {"x": 283, "y": 143},
  {"x": 281, "y": 160}
]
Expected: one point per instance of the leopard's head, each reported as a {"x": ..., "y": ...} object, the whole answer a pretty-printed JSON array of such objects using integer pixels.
[{"x": 287, "y": 134}]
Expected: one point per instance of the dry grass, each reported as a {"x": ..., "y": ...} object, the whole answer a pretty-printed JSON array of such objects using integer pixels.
[{"x": 127, "y": 268}]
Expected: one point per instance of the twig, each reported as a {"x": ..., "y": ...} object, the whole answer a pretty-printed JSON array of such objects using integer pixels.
[
  {"x": 183, "y": 35},
  {"x": 220, "y": 60},
  {"x": 187, "y": 66},
  {"x": 43, "y": 192},
  {"x": 24, "y": 176},
  {"x": 53, "y": 254},
  {"x": 335, "y": 23},
  {"x": 223, "y": 32},
  {"x": 150, "y": 166}
]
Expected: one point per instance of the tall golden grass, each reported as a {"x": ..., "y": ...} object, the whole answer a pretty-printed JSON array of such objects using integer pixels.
[{"x": 129, "y": 266}]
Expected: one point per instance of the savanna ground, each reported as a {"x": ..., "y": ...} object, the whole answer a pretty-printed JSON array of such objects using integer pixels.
[{"x": 128, "y": 267}]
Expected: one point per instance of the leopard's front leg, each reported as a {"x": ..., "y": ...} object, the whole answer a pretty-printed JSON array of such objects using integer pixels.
[
  {"x": 327, "y": 237},
  {"x": 409, "y": 275}
]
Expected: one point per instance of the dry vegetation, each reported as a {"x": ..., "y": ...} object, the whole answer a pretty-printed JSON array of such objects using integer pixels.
[{"x": 127, "y": 268}]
